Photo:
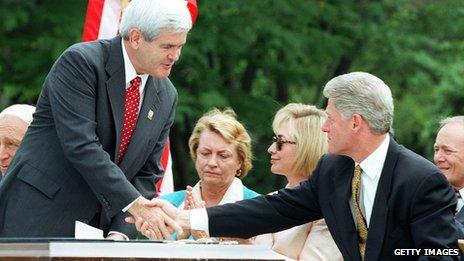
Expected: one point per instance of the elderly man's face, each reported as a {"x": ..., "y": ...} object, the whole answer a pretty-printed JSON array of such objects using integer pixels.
[
  {"x": 449, "y": 153},
  {"x": 12, "y": 130},
  {"x": 157, "y": 57},
  {"x": 338, "y": 129}
]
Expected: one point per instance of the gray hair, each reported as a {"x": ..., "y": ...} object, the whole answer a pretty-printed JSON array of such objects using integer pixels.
[
  {"x": 456, "y": 119},
  {"x": 364, "y": 94},
  {"x": 152, "y": 16}
]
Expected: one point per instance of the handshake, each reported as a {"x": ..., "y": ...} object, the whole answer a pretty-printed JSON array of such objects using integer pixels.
[{"x": 157, "y": 219}]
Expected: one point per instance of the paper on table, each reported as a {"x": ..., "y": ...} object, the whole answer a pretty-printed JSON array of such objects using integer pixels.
[{"x": 84, "y": 231}]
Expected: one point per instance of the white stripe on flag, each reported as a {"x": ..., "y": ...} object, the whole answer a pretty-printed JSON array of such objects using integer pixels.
[
  {"x": 167, "y": 186},
  {"x": 110, "y": 19}
]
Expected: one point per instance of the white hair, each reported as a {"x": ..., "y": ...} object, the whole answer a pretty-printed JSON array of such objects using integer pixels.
[
  {"x": 364, "y": 94},
  {"x": 22, "y": 111},
  {"x": 152, "y": 16},
  {"x": 455, "y": 119}
]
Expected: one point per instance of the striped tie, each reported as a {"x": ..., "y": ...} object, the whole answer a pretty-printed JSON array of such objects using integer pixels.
[{"x": 362, "y": 227}]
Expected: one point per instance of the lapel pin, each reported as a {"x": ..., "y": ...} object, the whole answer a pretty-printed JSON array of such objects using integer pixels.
[{"x": 150, "y": 115}]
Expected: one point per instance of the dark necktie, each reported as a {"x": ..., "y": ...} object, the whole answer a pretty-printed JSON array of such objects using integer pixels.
[
  {"x": 362, "y": 226},
  {"x": 131, "y": 110}
]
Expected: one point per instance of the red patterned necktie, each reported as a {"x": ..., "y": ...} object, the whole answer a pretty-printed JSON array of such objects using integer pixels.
[{"x": 131, "y": 111}]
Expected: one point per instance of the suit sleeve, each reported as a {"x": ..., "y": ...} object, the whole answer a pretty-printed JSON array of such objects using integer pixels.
[
  {"x": 432, "y": 219},
  {"x": 70, "y": 87},
  {"x": 267, "y": 214},
  {"x": 145, "y": 180}
]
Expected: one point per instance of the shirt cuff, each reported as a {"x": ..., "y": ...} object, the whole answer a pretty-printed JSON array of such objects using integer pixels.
[
  {"x": 199, "y": 219},
  {"x": 130, "y": 205},
  {"x": 118, "y": 233}
]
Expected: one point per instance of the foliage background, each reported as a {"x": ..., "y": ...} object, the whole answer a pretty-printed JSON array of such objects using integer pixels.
[{"x": 258, "y": 55}]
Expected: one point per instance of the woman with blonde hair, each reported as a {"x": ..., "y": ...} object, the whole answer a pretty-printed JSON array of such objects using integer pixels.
[
  {"x": 297, "y": 146},
  {"x": 221, "y": 149}
]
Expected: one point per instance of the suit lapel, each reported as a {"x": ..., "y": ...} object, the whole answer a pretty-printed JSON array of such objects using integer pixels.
[
  {"x": 115, "y": 87},
  {"x": 341, "y": 209},
  {"x": 144, "y": 124},
  {"x": 378, "y": 222}
]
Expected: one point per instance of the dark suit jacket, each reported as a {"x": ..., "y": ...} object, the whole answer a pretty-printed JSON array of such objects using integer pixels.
[
  {"x": 413, "y": 207},
  {"x": 64, "y": 169},
  {"x": 460, "y": 222}
]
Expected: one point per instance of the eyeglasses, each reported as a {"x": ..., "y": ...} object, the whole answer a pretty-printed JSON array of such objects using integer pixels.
[{"x": 279, "y": 142}]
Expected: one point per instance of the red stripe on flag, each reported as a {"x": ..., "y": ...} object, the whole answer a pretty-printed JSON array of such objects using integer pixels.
[
  {"x": 193, "y": 8},
  {"x": 92, "y": 20}
]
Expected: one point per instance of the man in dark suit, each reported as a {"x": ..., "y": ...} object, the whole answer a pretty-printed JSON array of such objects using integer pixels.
[
  {"x": 376, "y": 196},
  {"x": 449, "y": 158},
  {"x": 92, "y": 152}
]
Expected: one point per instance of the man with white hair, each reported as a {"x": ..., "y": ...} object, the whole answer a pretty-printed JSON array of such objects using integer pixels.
[
  {"x": 449, "y": 158},
  {"x": 377, "y": 197},
  {"x": 103, "y": 116},
  {"x": 14, "y": 121}
]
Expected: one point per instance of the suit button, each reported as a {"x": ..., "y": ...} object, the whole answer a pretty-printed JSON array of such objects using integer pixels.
[{"x": 86, "y": 221}]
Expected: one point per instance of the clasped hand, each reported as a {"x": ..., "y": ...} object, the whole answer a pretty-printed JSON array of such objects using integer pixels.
[
  {"x": 156, "y": 219},
  {"x": 191, "y": 202}
]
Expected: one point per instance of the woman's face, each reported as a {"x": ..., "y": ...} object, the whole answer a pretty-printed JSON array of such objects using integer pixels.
[
  {"x": 282, "y": 160},
  {"x": 217, "y": 161}
]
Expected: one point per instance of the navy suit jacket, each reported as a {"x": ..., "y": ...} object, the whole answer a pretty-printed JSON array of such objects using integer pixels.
[
  {"x": 64, "y": 169},
  {"x": 460, "y": 221},
  {"x": 413, "y": 207}
]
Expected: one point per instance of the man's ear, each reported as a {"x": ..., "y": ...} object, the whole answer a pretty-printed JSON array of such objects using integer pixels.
[
  {"x": 357, "y": 121},
  {"x": 135, "y": 38}
]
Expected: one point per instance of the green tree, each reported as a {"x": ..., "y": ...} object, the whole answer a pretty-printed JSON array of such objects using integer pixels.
[
  {"x": 257, "y": 55},
  {"x": 33, "y": 35}
]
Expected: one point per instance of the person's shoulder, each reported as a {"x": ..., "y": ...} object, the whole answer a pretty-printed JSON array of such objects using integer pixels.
[
  {"x": 93, "y": 50},
  {"x": 333, "y": 158},
  {"x": 411, "y": 168},
  {"x": 248, "y": 193},
  {"x": 333, "y": 161},
  {"x": 90, "y": 45},
  {"x": 175, "y": 198},
  {"x": 415, "y": 163}
]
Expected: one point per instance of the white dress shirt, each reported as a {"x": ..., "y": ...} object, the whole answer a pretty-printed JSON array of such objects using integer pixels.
[{"x": 372, "y": 168}]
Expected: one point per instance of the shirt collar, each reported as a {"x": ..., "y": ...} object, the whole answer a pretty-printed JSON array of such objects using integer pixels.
[
  {"x": 129, "y": 69},
  {"x": 373, "y": 164},
  {"x": 234, "y": 192},
  {"x": 461, "y": 192}
]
